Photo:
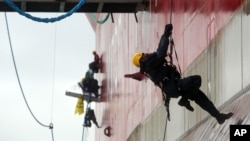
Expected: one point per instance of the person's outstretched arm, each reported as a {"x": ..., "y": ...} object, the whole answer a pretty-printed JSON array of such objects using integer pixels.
[{"x": 137, "y": 76}]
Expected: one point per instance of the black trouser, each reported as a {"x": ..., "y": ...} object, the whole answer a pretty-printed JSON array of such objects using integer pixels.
[
  {"x": 91, "y": 85},
  {"x": 188, "y": 88},
  {"x": 202, "y": 100},
  {"x": 87, "y": 123}
]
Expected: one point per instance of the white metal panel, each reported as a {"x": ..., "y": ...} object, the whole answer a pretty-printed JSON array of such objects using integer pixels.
[
  {"x": 231, "y": 63},
  {"x": 210, "y": 130},
  {"x": 246, "y": 48}
]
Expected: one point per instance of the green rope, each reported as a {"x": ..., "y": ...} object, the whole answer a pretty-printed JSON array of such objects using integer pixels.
[{"x": 94, "y": 18}]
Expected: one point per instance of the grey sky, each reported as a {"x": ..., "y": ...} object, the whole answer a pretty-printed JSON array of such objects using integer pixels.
[{"x": 66, "y": 45}]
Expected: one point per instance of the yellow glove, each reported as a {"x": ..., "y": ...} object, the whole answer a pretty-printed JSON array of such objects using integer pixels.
[{"x": 79, "y": 106}]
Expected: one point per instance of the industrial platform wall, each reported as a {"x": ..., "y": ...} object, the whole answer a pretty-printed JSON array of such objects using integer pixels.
[{"x": 225, "y": 68}]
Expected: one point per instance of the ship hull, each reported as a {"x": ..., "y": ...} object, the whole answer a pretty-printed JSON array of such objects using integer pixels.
[{"x": 133, "y": 109}]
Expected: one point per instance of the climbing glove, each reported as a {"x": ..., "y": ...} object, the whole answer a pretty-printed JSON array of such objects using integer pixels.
[{"x": 168, "y": 30}]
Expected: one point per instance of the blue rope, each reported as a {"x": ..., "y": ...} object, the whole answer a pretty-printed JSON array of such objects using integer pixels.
[{"x": 45, "y": 20}]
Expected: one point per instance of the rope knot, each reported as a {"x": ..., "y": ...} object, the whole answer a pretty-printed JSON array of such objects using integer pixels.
[{"x": 51, "y": 126}]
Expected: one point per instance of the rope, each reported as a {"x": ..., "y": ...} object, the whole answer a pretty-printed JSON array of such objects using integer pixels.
[
  {"x": 83, "y": 123},
  {"x": 172, "y": 41},
  {"x": 54, "y": 70},
  {"x": 172, "y": 47},
  {"x": 171, "y": 10},
  {"x": 176, "y": 56},
  {"x": 85, "y": 116},
  {"x": 94, "y": 18},
  {"x": 51, "y": 128},
  {"x": 19, "y": 82},
  {"x": 45, "y": 20},
  {"x": 165, "y": 129}
]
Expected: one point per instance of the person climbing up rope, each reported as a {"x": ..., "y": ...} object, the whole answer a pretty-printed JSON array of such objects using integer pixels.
[{"x": 168, "y": 79}]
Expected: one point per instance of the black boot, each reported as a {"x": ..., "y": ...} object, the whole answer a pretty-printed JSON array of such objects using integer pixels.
[
  {"x": 222, "y": 117},
  {"x": 186, "y": 103}
]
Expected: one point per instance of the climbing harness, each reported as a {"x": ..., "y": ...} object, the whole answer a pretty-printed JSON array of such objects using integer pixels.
[
  {"x": 20, "y": 85},
  {"x": 45, "y": 20},
  {"x": 165, "y": 97},
  {"x": 170, "y": 64}
]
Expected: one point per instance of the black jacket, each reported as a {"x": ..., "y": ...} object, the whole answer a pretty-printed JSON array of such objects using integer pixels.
[{"x": 155, "y": 65}]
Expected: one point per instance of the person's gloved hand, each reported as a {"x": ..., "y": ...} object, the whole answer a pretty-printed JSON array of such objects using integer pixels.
[{"x": 168, "y": 29}]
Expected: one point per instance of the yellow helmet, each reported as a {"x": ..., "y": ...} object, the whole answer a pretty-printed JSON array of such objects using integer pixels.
[
  {"x": 136, "y": 58},
  {"x": 83, "y": 79}
]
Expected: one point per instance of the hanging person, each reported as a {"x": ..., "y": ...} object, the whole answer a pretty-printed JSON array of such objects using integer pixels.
[
  {"x": 89, "y": 83},
  {"x": 165, "y": 76}
]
